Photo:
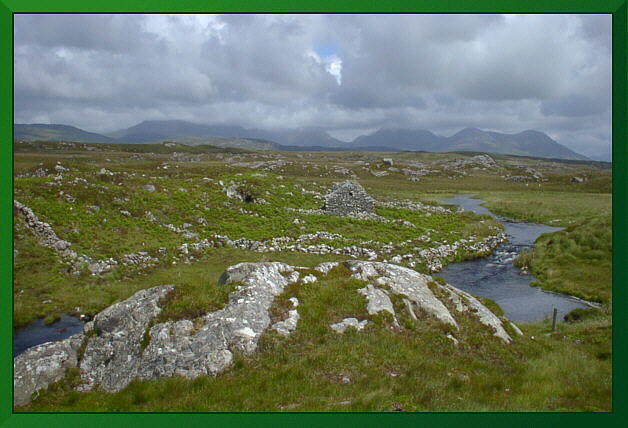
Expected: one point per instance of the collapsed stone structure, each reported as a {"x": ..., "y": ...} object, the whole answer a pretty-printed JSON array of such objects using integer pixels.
[{"x": 348, "y": 198}]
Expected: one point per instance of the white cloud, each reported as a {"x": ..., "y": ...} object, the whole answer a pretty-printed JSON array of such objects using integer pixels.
[{"x": 439, "y": 72}]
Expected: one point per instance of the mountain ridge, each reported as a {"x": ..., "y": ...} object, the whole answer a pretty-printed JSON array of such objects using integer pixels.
[{"x": 525, "y": 143}]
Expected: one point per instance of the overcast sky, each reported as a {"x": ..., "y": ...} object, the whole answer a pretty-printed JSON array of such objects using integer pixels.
[{"x": 348, "y": 74}]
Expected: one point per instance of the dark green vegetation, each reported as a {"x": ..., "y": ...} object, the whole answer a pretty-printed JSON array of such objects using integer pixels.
[{"x": 412, "y": 367}]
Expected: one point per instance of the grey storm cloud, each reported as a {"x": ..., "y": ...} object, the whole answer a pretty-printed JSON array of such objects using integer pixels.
[{"x": 339, "y": 72}]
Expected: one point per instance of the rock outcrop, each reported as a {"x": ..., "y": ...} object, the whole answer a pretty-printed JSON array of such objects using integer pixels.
[
  {"x": 418, "y": 291},
  {"x": 406, "y": 282},
  {"x": 124, "y": 342},
  {"x": 41, "y": 365},
  {"x": 112, "y": 355}
]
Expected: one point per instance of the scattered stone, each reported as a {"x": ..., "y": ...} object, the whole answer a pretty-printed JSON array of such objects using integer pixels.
[
  {"x": 348, "y": 322},
  {"x": 40, "y": 172},
  {"x": 308, "y": 279},
  {"x": 47, "y": 235},
  {"x": 409, "y": 308},
  {"x": 151, "y": 217},
  {"x": 325, "y": 267},
  {"x": 452, "y": 338},
  {"x": 516, "y": 329},
  {"x": 286, "y": 326},
  {"x": 149, "y": 187}
]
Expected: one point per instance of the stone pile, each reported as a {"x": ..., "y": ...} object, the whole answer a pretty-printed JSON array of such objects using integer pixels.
[
  {"x": 46, "y": 234},
  {"x": 348, "y": 198}
]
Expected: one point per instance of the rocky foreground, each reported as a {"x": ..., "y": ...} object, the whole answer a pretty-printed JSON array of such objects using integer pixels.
[{"x": 124, "y": 342}]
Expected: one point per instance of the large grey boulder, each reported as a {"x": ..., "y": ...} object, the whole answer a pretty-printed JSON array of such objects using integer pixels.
[
  {"x": 177, "y": 348},
  {"x": 112, "y": 354},
  {"x": 41, "y": 365}
]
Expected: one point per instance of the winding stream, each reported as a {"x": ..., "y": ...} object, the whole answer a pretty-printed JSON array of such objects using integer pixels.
[
  {"x": 494, "y": 277},
  {"x": 498, "y": 279}
]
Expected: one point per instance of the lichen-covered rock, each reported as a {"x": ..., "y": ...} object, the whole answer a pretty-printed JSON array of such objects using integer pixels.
[
  {"x": 404, "y": 281},
  {"x": 341, "y": 326},
  {"x": 308, "y": 279},
  {"x": 122, "y": 344},
  {"x": 288, "y": 325},
  {"x": 38, "y": 367},
  {"x": 378, "y": 300},
  {"x": 325, "y": 267},
  {"x": 178, "y": 348},
  {"x": 415, "y": 288},
  {"x": 112, "y": 355},
  {"x": 485, "y": 315}
]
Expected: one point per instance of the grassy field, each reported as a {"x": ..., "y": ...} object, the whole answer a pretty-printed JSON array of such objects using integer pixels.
[{"x": 412, "y": 367}]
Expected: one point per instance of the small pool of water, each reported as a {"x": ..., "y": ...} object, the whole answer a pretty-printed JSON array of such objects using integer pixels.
[
  {"x": 498, "y": 279},
  {"x": 37, "y": 332}
]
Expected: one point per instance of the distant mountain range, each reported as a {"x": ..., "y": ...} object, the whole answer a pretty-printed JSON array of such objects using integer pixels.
[
  {"x": 526, "y": 143},
  {"x": 42, "y": 132}
]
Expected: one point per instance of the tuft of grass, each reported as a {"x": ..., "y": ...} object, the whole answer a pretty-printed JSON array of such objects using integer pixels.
[
  {"x": 577, "y": 260},
  {"x": 524, "y": 259}
]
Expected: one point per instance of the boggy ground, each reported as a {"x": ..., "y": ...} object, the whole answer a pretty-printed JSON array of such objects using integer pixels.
[{"x": 406, "y": 368}]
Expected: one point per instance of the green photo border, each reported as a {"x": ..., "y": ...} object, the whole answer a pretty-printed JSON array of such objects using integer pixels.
[{"x": 620, "y": 227}]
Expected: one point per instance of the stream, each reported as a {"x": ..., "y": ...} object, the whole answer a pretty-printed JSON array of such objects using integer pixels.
[
  {"x": 498, "y": 279},
  {"x": 37, "y": 332},
  {"x": 493, "y": 276}
]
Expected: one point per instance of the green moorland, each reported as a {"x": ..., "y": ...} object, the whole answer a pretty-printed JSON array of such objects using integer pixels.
[{"x": 410, "y": 367}]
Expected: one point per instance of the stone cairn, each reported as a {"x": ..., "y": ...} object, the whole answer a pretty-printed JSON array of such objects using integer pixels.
[{"x": 348, "y": 198}]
